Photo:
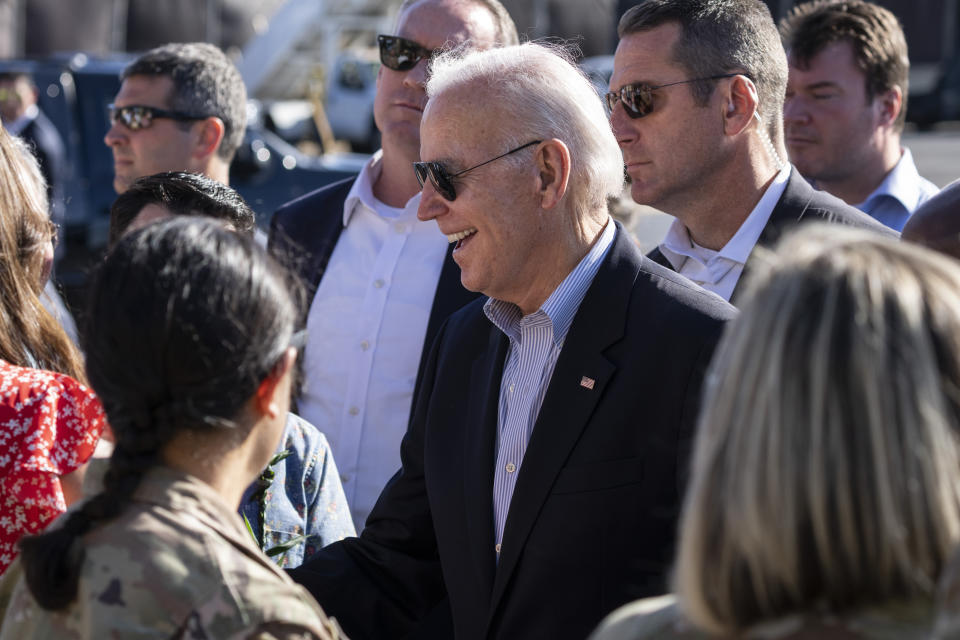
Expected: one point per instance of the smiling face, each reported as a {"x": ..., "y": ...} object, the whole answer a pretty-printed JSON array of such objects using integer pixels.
[
  {"x": 398, "y": 105},
  {"x": 506, "y": 244},
  {"x": 163, "y": 146},
  {"x": 671, "y": 153},
  {"x": 831, "y": 125}
]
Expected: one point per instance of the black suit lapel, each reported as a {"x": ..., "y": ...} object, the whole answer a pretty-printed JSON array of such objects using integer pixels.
[
  {"x": 569, "y": 403},
  {"x": 479, "y": 453},
  {"x": 788, "y": 211}
]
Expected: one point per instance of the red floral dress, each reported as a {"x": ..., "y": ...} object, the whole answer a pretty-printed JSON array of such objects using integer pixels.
[{"x": 49, "y": 426}]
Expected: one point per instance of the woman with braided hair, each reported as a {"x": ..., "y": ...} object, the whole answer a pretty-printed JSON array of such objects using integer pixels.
[
  {"x": 50, "y": 422},
  {"x": 190, "y": 346}
]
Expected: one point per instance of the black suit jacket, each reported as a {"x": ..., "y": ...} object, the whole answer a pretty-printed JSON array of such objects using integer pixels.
[
  {"x": 592, "y": 519},
  {"x": 47, "y": 145},
  {"x": 304, "y": 232},
  {"x": 799, "y": 204}
]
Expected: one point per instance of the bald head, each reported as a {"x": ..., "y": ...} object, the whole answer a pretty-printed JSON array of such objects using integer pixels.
[{"x": 936, "y": 224}]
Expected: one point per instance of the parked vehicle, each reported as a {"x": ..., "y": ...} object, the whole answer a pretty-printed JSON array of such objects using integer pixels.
[
  {"x": 351, "y": 88},
  {"x": 943, "y": 103},
  {"x": 74, "y": 94}
]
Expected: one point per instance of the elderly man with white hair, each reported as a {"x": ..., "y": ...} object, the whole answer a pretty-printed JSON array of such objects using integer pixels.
[{"x": 543, "y": 464}]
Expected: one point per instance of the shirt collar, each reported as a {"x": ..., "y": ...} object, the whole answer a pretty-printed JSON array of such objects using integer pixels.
[
  {"x": 362, "y": 193},
  {"x": 562, "y": 305},
  {"x": 677, "y": 246},
  {"x": 902, "y": 183}
]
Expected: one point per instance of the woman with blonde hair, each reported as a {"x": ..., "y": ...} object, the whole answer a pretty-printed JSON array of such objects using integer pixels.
[
  {"x": 50, "y": 422},
  {"x": 824, "y": 500}
]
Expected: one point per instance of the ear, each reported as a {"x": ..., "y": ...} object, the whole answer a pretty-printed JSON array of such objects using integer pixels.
[
  {"x": 740, "y": 105},
  {"x": 553, "y": 166},
  {"x": 209, "y": 135},
  {"x": 268, "y": 396},
  {"x": 889, "y": 104}
]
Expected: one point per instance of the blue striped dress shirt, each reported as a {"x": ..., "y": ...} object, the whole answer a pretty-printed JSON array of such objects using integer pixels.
[{"x": 535, "y": 344}]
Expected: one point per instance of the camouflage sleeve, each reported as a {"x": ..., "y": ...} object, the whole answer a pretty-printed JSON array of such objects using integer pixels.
[{"x": 286, "y": 631}]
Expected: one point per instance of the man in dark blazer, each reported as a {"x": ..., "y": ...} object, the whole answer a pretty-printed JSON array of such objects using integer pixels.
[
  {"x": 379, "y": 282},
  {"x": 697, "y": 107},
  {"x": 544, "y": 464},
  {"x": 22, "y": 117}
]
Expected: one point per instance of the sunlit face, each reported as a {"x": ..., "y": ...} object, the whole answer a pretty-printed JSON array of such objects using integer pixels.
[
  {"x": 398, "y": 105},
  {"x": 669, "y": 152},
  {"x": 166, "y": 145},
  {"x": 509, "y": 239},
  {"x": 830, "y": 124}
]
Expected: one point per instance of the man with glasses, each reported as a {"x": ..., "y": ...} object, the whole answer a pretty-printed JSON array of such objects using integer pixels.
[
  {"x": 381, "y": 282},
  {"x": 543, "y": 465},
  {"x": 181, "y": 107},
  {"x": 696, "y": 104}
]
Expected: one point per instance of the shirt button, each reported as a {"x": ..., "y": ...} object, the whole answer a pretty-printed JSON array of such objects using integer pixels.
[
  {"x": 511, "y": 388},
  {"x": 511, "y": 467},
  {"x": 378, "y": 284},
  {"x": 364, "y": 345},
  {"x": 399, "y": 227},
  {"x": 497, "y": 548},
  {"x": 344, "y": 477},
  {"x": 354, "y": 411}
]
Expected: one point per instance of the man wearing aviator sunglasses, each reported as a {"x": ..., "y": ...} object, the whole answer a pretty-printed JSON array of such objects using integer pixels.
[
  {"x": 696, "y": 104},
  {"x": 381, "y": 282},
  {"x": 181, "y": 107}
]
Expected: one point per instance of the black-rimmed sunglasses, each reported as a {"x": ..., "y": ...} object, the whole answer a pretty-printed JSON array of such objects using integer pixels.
[
  {"x": 637, "y": 98},
  {"x": 441, "y": 180},
  {"x": 401, "y": 54},
  {"x": 137, "y": 116}
]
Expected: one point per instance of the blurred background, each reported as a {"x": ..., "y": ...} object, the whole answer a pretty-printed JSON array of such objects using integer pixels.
[{"x": 310, "y": 67}]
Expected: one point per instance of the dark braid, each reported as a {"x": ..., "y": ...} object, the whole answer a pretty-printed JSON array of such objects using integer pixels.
[{"x": 185, "y": 320}]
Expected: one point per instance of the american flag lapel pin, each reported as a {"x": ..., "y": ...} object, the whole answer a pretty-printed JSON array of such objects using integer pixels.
[{"x": 587, "y": 383}]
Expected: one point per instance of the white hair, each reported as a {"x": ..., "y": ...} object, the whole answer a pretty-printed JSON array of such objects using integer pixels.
[{"x": 547, "y": 96}]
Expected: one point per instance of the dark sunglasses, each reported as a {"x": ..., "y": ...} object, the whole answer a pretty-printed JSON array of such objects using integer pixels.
[
  {"x": 136, "y": 117},
  {"x": 441, "y": 180},
  {"x": 637, "y": 99},
  {"x": 401, "y": 54}
]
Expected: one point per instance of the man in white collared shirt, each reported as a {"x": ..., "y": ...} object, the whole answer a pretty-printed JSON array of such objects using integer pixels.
[
  {"x": 696, "y": 105},
  {"x": 383, "y": 280},
  {"x": 846, "y": 104}
]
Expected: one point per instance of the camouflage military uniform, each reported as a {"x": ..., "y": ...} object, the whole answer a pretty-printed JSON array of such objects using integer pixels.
[
  {"x": 177, "y": 563},
  {"x": 659, "y": 618}
]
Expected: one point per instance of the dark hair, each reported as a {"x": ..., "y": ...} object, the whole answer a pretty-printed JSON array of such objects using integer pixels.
[
  {"x": 205, "y": 83},
  {"x": 186, "y": 319},
  {"x": 879, "y": 46},
  {"x": 182, "y": 194},
  {"x": 506, "y": 28},
  {"x": 722, "y": 36}
]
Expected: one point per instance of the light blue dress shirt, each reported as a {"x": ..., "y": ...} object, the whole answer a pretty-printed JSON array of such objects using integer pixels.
[
  {"x": 899, "y": 195},
  {"x": 535, "y": 344}
]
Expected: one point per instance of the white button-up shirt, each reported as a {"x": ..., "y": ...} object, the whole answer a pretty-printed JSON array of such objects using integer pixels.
[
  {"x": 719, "y": 271},
  {"x": 366, "y": 329}
]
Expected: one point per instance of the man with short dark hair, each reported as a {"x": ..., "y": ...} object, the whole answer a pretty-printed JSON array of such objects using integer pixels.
[
  {"x": 846, "y": 102},
  {"x": 181, "y": 107},
  {"x": 697, "y": 106},
  {"x": 380, "y": 282}
]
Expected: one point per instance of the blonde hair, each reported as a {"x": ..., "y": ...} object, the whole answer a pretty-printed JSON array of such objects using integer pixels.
[{"x": 826, "y": 473}]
